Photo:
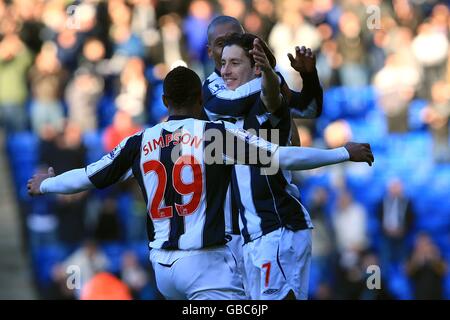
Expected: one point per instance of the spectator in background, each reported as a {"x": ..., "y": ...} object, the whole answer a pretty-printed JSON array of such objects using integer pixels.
[
  {"x": 105, "y": 286},
  {"x": 73, "y": 33},
  {"x": 396, "y": 217},
  {"x": 436, "y": 115},
  {"x": 194, "y": 27},
  {"x": 261, "y": 19},
  {"x": 337, "y": 133},
  {"x": 89, "y": 260},
  {"x": 47, "y": 78},
  {"x": 370, "y": 259},
  {"x": 432, "y": 61},
  {"x": 108, "y": 226},
  {"x": 66, "y": 152},
  {"x": 122, "y": 127},
  {"x": 406, "y": 14},
  {"x": 15, "y": 59},
  {"x": 144, "y": 23},
  {"x": 350, "y": 41},
  {"x": 133, "y": 90},
  {"x": 233, "y": 8},
  {"x": 86, "y": 87},
  {"x": 133, "y": 274},
  {"x": 426, "y": 269},
  {"x": 290, "y": 31},
  {"x": 396, "y": 84},
  {"x": 29, "y": 12},
  {"x": 125, "y": 42},
  {"x": 172, "y": 41},
  {"x": 136, "y": 226},
  {"x": 323, "y": 243},
  {"x": 350, "y": 226}
]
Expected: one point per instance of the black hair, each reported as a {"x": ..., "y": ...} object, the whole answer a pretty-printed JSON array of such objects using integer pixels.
[
  {"x": 219, "y": 20},
  {"x": 182, "y": 87},
  {"x": 245, "y": 41}
]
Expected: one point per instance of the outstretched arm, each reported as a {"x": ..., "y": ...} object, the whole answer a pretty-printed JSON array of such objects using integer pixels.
[
  {"x": 72, "y": 181},
  {"x": 111, "y": 168},
  {"x": 307, "y": 103},
  {"x": 242, "y": 147},
  {"x": 302, "y": 158}
]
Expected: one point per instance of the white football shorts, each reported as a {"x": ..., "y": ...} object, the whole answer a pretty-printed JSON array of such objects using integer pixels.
[
  {"x": 204, "y": 274},
  {"x": 277, "y": 263}
]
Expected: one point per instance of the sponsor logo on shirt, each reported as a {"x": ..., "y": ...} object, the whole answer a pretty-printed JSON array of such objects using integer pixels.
[{"x": 271, "y": 291}]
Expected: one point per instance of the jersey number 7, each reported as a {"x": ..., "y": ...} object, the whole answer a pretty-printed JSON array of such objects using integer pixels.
[{"x": 195, "y": 187}]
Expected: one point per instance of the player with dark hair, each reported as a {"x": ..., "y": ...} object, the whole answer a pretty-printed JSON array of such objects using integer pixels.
[
  {"x": 185, "y": 192},
  {"x": 234, "y": 107},
  {"x": 305, "y": 104}
]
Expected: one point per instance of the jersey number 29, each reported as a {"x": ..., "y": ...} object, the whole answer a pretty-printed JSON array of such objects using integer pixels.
[{"x": 195, "y": 187}]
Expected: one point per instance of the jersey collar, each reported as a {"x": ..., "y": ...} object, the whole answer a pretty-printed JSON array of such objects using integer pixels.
[{"x": 178, "y": 117}]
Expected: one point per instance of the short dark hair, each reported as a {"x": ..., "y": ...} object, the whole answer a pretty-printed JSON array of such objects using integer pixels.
[
  {"x": 219, "y": 20},
  {"x": 182, "y": 87},
  {"x": 245, "y": 41}
]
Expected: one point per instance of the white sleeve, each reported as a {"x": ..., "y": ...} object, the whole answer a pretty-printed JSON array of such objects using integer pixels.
[
  {"x": 303, "y": 158},
  {"x": 72, "y": 181}
]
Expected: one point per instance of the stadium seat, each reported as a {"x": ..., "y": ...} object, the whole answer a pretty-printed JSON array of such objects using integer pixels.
[
  {"x": 414, "y": 114},
  {"x": 106, "y": 109},
  {"x": 93, "y": 142},
  {"x": 399, "y": 285},
  {"x": 114, "y": 252},
  {"x": 142, "y": 251},
  {"x": 44, "y": 258}
]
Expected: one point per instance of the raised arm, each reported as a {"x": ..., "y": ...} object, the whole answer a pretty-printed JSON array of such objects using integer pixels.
[
  {"x": 308, "y": 102},
  {"x": 270, "y": 85}
]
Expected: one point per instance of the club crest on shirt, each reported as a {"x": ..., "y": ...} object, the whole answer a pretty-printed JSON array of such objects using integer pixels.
[
  {"x": 113, "y": 154},
  {"x": 217, "y": 85}
]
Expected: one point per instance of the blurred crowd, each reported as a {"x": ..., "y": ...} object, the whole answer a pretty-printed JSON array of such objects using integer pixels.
[{"x": 76, "y": 77}]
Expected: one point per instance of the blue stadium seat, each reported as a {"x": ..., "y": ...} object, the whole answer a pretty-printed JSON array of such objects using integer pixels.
[
  {"x": 399, "y": 285},
  {"x": 447, "y": 284},
  {"x": 142, "y": 251},
  {"x": 348, "y": 102},
  {"x": 44, "y": 259},
  {"x": 414, "y": 114},
  {"x": 106, "y": 109},
  {"x": 114, "y": 252},
  {"x": 93, "y": 142}
]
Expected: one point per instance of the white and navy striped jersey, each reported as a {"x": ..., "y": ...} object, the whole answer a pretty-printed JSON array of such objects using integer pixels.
[
  {"x": 184, "y": 190},
  {"x": 265, "y": 202},
  {"x": 305, "y": 104}
]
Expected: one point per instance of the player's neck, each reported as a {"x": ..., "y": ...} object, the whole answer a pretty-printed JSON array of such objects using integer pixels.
[{"x": 183, "y": 113}]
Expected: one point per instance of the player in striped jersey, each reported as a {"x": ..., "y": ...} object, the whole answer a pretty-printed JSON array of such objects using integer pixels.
[
  {"x": 304, "y": 104},
  {"x": 274, "y": 224},
  {"x": 183, "y": 167}
]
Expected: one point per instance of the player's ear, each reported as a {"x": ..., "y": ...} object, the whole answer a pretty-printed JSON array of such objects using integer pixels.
[
  {"x": 166, "y": 103},
  {"x": 210, "y": 51}
]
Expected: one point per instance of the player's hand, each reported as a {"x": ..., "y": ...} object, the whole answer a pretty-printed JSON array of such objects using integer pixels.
[
  {"x": 360, "y": 152},
  {"x": 304, "y": 61},
  {"x": 259, "y": 56},
  {"x": 34, "y": 183}
]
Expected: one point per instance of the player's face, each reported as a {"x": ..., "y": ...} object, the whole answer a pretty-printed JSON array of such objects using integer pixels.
[
  {"x": 236, "y": 67},
  {"x": 217, "y": 38}
]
